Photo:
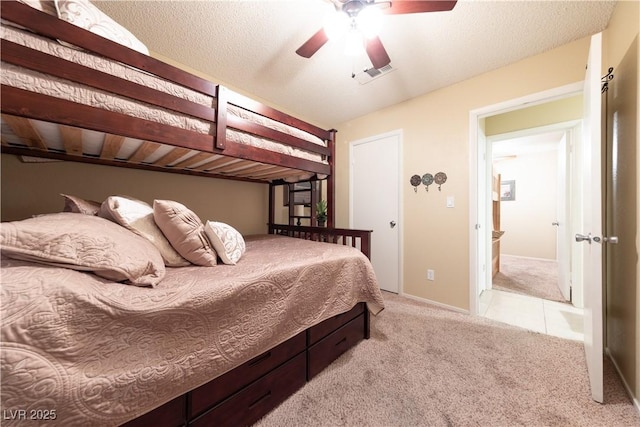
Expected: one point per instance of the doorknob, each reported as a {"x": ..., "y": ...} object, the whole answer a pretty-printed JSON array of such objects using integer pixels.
[
  {"x": 613, "y": 239},
  {"x": 583, "y": 238},
  {"x": 556, "y": 223},
  {"x": 392, "y": 224}
]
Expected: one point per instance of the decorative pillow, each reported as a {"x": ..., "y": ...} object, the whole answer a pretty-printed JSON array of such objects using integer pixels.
[
  {"x": 137, "y": 216},
  {"x": 185, "y": 231},
  {"x": 79, "y": 205},
  {"x": 87, "y": 16},
  {"x": 42, "y": 5},
  {"x": 226, "y": 240},
  {"x": 85, "y": 243}
]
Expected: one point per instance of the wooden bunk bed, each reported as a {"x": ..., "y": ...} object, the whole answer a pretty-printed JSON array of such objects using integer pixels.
[{"x": 215, "y": 147}]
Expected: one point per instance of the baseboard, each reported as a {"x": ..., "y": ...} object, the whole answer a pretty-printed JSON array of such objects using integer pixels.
[
  {"x": 439, "y": 304},
  {"x": 636, "y": 403},
  {"x": 529, "y": 257}
]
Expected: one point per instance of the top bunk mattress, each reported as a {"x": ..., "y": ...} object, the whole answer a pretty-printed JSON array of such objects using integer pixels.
[{"x": 60, "y": 140}]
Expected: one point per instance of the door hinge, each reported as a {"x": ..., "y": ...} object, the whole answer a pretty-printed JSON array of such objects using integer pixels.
[{"x": 570, "y": 293}]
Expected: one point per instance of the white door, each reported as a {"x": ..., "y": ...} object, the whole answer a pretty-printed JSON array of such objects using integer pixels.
[
  {"x": 375, "y": 202},
  {"x": 562, "y": 218},
  {"x": 592, "y": 220}
]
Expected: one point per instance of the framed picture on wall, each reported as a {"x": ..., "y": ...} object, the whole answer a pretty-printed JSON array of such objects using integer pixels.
[{"x": 508, "y": 190}]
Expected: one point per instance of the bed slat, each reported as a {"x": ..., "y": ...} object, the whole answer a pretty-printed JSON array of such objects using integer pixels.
[
  {"x": 25, "y": 130},
  {"x": 111, "y": 146}
]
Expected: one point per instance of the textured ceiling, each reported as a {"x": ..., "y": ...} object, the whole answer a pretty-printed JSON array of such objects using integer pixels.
[{"x": 250, "y": 47}]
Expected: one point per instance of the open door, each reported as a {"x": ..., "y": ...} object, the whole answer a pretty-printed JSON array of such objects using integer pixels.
[{"x": 592, "y": 220}]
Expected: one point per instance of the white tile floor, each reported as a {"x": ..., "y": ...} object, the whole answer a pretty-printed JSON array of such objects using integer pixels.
[{"x": 548, "y": 317}]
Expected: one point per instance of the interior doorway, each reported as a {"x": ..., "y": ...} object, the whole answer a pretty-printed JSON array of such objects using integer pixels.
[
  {"x": 481, "y": 209},
  {"x": 529, "y": 215}
]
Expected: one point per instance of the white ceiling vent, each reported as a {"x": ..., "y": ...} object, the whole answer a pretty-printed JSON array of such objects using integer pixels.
[{"x": 372, "y": 74}]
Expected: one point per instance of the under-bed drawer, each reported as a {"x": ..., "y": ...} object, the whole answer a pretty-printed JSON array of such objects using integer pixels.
[
  {"x": 316, "y": 333},
  {"x": 213, "y": 392},
  {"x": 331, "y": 347},
  {"x": 249, "y": 405},
  {"x": 171, "y": 414}
]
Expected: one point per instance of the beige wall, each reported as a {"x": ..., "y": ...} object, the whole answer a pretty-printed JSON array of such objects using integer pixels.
[
  {"x": 527, "y": 220},
  {"x": 34, "y": 188},
  {"x": 562, "y": 110},
  {"x": 622, "y": 51},
  {"x": 436, "y": 134}
]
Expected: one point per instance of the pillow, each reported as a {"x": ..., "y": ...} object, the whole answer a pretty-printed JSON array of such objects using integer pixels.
[
  {"x": 137, "y": 216},
  {"x": 87, "y": 16},
  {"x": 85, "y": 243},
  {"x": 79, "y": 205},
  {"x": 226, "y": 240},
  {"x": 185, "y": 231}
]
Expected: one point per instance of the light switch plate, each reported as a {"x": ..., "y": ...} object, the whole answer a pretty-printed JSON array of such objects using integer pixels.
[{"x": 451, "y": 201}]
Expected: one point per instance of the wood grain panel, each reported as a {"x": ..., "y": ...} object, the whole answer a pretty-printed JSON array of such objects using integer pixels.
[
  {"x": 111, "y": 146},
  {"x": 72, "y": 139}
]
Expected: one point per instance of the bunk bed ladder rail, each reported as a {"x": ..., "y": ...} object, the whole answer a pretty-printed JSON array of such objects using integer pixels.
[{"x": 359, "y": 239}]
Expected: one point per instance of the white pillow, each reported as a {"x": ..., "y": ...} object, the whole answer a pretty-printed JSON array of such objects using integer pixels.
[
  {"x": 87, "y": 16},
  {"x": 226, "y": 240},
  {"x": 137, "y": 216},
  {"x": 185, "y": 231}
]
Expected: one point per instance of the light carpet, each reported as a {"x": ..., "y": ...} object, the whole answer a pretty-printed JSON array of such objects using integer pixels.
[
  {"x": 428, "y": 366},
  {"x": 529, "y": 276}
]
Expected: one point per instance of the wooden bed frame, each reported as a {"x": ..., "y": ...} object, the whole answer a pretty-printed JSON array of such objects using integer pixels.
[
  {"x": 248, "y": 392},
  {"x": 20, "y": 106}
]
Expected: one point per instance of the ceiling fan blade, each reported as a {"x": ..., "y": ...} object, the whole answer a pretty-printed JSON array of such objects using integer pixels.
[
  {"x": 312, "y": 45},
  {"x": 417, "y": 6},
  {"x": 377, "y": 53}
]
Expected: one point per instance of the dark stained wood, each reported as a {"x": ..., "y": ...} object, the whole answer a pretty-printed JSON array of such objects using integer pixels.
[
  {"x": 54, "y": 28},
  {"x": 331, "y": 182},
  {"x": 259, "y": 130},
  {"x": 264, "y": 110},
  {"x": 171, "y": 414},
  {"x": 213, "y": 392},
  {"x": 322, "y": 234},
  {"x": 333, "y": 346},
  {"x": 252, "y": 403},
  {"x": 100, "y": 161},
  {"x": 50, "y": 109},
  {"x": 35, "y": 60},
  {"x": 221, "y": 118},
  {"x": 316, "y": 333}
]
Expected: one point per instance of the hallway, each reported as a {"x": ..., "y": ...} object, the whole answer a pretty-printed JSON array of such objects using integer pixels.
[{"x": 536, "y": 314}]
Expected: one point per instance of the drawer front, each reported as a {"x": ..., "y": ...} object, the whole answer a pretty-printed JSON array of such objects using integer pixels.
[
  {"x": 255, "y": 401},
  {"x": 331, "y": 347},
  {"x": 316, "y": 333},
  {"x": 213, "y": 392},
  {"x": 171, "y": 414}
]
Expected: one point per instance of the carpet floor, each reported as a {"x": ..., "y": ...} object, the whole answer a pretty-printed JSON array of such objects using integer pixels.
[
  {"x": 428, "y": 366},
  {"x": 528, "y": 276}
]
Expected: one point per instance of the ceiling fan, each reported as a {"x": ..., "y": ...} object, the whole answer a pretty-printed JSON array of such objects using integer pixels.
[{"x": 355, "y": 15}]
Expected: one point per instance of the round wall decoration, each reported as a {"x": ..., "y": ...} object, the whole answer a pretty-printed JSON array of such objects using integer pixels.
[
  {"x": 440, "y": 179},
  {"x": 415, "y": 181},
  {"x": 427, "y": 180}
]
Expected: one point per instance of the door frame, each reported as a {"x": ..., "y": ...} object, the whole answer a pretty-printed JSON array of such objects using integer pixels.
[
  {"x": 399, "y": 134},
  {"x": 478, "y": 163}
]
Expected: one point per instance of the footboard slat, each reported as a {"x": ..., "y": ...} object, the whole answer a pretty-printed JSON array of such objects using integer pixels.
[{"x": 330, "y": 235}]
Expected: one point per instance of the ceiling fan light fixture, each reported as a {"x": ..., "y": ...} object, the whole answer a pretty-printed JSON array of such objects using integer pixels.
[
  {"x": 354, "y": 44},
  {"x": 370, "y": 21},
  {"x": 336, "y": 24}
]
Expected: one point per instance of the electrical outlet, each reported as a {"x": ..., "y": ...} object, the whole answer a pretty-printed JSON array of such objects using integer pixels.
[{"x": 431, "y": 275}]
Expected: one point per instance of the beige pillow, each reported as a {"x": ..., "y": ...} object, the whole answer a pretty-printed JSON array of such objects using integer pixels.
[
  {"x": 79, "y": 205},
  {"x": 85, "y": 243},
  {"x": 185, "y": 231},
  {"x": 137, "y": 216},
  {"x": 87, "y": 16},
  {"x": 226, "y": 240}
]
